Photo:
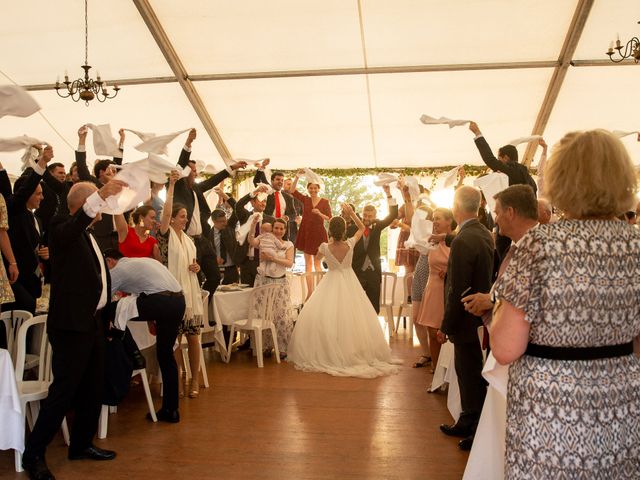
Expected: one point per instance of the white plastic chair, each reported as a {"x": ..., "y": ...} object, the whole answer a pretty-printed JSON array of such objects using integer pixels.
[
  {"x": 387, "y": 294},
  {"x": 103, "y": 422},
  {"x": 406, "y": 306},
  {"x": 184, "y": 345},
  {"x": 12, "y": 320},
  {"x": 32, "y": 391},
  {"x": 261, "y": 306}
]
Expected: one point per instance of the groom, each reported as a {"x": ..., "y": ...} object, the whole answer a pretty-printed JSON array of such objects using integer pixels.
[{"x": 366, "y": 252}]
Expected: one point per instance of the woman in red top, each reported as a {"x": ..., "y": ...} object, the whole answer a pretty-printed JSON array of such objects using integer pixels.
[
  {"x": 315, "y": 212},
  {"x": 138, "y": 242}
]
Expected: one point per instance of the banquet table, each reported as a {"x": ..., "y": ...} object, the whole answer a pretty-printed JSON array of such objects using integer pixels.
[
  {"x": 486, "y": 459},
  {"x": 12, "y": 430}
]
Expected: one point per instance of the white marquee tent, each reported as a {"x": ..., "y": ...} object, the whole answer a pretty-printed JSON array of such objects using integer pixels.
[{"x": 325, "y": 83}]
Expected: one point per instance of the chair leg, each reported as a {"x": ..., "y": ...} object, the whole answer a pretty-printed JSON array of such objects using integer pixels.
[
  {"x": 203, "y": 369},
  {"x": 103, "y": 422},
  {"x": 390, "y": 319},
  {"x": 258, "y": 341},
  {"x": 398, "y": 320},
  {"x": 147, "y": 392},
  {"x": 65, "y": 432},
  {"x": 231, "y": 334},
  {"x": 275, "y": 342},
  {"x": 185, "y": 362}
]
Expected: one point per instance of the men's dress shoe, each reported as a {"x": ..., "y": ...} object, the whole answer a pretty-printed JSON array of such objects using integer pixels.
[
  {"x": 92, "y": 453},
  {"x": 455, "y": 430},
  {"x": 170, "y": 416},
  {"x": 466, "y": 443},
  {"x": 37, "y": 468}
]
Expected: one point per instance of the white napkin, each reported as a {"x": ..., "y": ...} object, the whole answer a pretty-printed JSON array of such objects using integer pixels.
[
  {"x": 312, "y": 177},
  {"x": 450, "y": 177},
  {"x": 414, "y": 187},
  {"x": 421, "y": 230},
  {"x": 497, "y": 375},
  {"x": 385, "y": 179},
  {"x": 621, "y": 133},
  {"x": 137, "y": 191},
  {"x": 18, "y": 143},
  {"x": 427, "y": 120},
  {"x": 16, "y": 101},
  {"x": 519, "y": 140},
  {"x": 158, "y": 144},
  {"x": 158, "y": 168},
  {"x": 490, "y": 185},
  {"x": 243, "y": 231},
  {"x": 104, "y": 142},
  {"x": 126, "y": 309}
]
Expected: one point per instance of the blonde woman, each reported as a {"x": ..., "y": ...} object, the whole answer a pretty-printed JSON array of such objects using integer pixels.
[
  {"x": 178, "y": 254},
  {"x": 566, "y": 319}
]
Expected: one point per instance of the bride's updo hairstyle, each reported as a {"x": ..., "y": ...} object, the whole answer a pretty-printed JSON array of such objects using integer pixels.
[{"x": 337, "y": 228}]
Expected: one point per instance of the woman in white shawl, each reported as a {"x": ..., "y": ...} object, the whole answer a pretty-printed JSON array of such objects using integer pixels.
[{"x": 178, "y": 254}]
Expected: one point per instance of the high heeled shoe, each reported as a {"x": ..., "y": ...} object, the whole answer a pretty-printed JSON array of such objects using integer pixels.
[{"x": 194, "y": 389}]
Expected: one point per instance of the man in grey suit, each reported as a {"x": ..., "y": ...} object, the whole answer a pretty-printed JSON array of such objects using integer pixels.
[{"x": 470, "y": 270}]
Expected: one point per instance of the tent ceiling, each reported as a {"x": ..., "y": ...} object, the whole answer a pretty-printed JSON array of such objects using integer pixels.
[{"x": 324, "y": 83}]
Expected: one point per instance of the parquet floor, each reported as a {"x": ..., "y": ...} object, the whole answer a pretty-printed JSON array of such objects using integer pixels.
[{"x": 279, "y": 423}]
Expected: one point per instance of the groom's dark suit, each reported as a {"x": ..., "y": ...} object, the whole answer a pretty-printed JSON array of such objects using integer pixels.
[
  {"x": 369, "y": 272},
  {"x": 469, "y": 271},
  {"x": 76, "y": 334}
]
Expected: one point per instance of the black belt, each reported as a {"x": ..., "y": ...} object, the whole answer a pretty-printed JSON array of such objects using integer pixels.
[
  {"x": 276, "y": 278},
  {"x": 576, "y": 353},
  {"x": 167, "y": 293}
]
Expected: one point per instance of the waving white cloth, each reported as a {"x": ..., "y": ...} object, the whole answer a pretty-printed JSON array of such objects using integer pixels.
[
  {"x": 312, "y": 177},
  {"x": 421, "y": 230},
  {"x": 385, "y": 179},
  {"x": 519, "y": 140},
  {"x": 16, "y": 101},
  {"x": 137, "y": 190},
  {"x": 450, "y": 177},
  {"x": 103, "y": 141},
  {"x": 263, "y": 195},
  {"x": 414, "y": 187},
  {"x": 247, "y": 160},
  {"x": 158, "y": 168},
  {"x": 490, "y": 185},
  {"x": 158, "y": 144},
  {"x": 428, "y": 120},
  {"x": 622, "y": 134},
  {"x": 243, "y": 230},
  {"x": 181, "y": 253},
  {"x": 18, "y": 143}
]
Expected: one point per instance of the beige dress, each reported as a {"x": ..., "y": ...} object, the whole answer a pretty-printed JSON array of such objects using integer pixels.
[{"x": 6, "y": 294}]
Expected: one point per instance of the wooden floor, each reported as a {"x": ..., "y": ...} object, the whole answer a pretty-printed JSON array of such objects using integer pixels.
[{"x": 279, "y": 423}]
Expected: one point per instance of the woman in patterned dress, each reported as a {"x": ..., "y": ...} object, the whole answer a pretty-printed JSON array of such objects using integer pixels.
[
  {"x": 315, "y": 212},
  {"x": 6, "y": 294},
  {"x": 283, "y": 319},
  {"x": 567, "y": 318}
]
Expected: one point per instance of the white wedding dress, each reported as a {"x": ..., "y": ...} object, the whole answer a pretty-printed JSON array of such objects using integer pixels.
[{"x": 337, "y": 331}]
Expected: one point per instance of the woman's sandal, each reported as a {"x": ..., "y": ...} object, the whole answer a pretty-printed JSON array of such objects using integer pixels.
[{"x": 424, "y": 360}]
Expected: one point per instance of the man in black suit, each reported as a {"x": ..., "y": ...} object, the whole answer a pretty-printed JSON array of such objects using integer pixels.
[
  {"x": 223, "y": 239},
  {"x": 247, "y": 258},
  {"x": 366, "y": 252},
  {"x": 280, "y": 204},
  {"x": 191, "y": 195},
  {"x": 104, "y": 231},
  {"x": 25, "y": 233},
  {"x": 79, "y": 292},
  {"x": 469, "y": 271},
  {"x": 507, "y": 163}
]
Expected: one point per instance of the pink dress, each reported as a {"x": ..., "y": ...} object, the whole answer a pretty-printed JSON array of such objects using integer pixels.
[{"x": 432, "y": 308}]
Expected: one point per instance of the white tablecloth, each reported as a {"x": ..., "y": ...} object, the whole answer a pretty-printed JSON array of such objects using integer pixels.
[
  {"x": 486, "y": 460},
  {"x": 11, "y": 417},
  {"x": 227, "y": 308},
  {"x": 445, "y": 372}
]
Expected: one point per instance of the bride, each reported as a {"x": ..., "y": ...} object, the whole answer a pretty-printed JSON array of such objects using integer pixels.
[{"x": 337, "y": 331}]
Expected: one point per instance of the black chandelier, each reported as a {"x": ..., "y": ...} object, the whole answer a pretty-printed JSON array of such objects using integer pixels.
[
  {"x": 85, "y": 88},
  {"x": 631, "y": 49}
]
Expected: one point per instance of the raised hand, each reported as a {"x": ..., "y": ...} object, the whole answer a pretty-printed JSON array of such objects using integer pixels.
[
  {"x": 473, "y": 126},
  {"x": 122, "y": 135},
  {"x": 238, "y": 165},
  {"x": 114, "y": 187},
  {"x": 191, "y": 137},
  {"x": 174, "y": 176}
]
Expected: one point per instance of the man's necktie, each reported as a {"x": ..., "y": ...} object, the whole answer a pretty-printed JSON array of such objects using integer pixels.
[
  {"x": 367, "y": 230},
  {"x": 256, "y": 251},
  {"x": 277, "y": 199},
  {"x": 223, "y": 251}
]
